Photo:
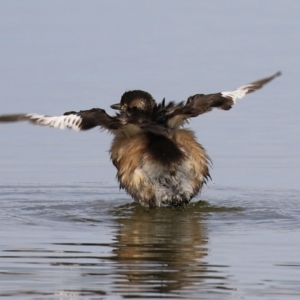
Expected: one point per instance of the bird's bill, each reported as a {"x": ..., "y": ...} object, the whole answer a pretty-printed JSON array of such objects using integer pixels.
[{"x": 116, "y": 106}]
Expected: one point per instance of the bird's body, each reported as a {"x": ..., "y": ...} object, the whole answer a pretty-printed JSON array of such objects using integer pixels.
[
  {"x": 158, "y": 162},
  {"x": 160, "y": 170}
]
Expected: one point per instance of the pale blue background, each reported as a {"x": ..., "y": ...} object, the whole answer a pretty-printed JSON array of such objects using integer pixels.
[{"x": 57, "y": 56}]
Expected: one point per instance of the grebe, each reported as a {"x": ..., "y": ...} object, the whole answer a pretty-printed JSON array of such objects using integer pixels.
[{"x": 158, "y": 161}]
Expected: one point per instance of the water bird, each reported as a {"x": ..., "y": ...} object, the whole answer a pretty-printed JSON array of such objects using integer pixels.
[{"x": 158, "y": 161}]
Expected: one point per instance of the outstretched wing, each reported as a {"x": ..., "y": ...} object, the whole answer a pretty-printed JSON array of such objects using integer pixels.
[
  {"x": 82, "y": 120},
  {"x": 225, "y": 100},
  {"x": 200, "y": 103}
]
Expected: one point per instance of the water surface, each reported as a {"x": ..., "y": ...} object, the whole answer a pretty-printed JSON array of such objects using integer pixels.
[{"x": 88, "y": 240}]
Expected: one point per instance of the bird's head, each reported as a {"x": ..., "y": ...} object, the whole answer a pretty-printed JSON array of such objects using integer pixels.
[{"x": 135, "y": 100}]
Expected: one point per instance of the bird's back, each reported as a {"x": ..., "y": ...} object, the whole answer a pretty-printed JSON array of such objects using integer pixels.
[{"x": 160, "y": 170}]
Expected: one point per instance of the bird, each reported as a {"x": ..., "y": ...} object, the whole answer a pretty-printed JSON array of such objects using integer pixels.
[{"x": 159, "y": 161}]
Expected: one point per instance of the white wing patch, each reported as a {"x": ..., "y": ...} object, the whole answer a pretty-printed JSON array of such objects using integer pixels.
[
  {"x": 69, "y": 121},
  {"x": 238, "y": 93}
]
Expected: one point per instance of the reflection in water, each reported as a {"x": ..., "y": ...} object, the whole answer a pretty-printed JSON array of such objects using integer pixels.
[
  {"x": 160, "y": 250},
  {"x": 90, "y": 248}
]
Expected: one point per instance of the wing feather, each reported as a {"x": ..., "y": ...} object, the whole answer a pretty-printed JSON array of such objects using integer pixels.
[
  {"x": 249, "y": 88},
  {"x": 82, "y": 120},
  {"x": 162, "y": 118},
  {"x": 176, "y": 115}
]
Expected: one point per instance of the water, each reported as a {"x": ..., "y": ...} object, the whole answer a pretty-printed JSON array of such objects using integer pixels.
[{"x": 87, "y": 240}]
